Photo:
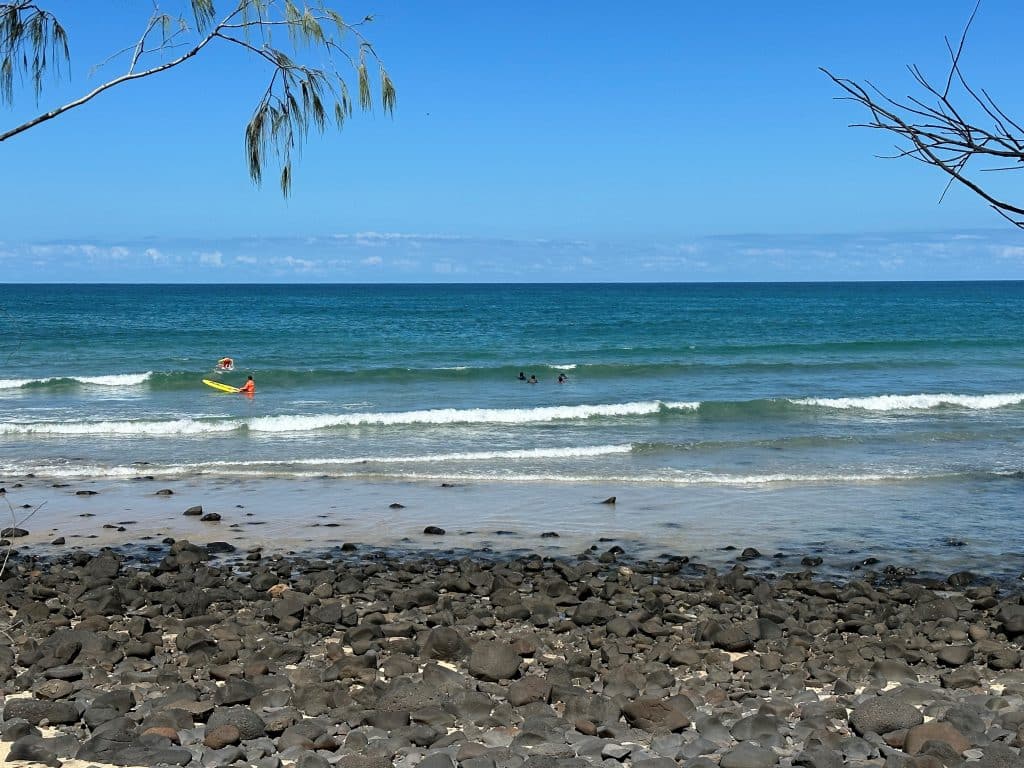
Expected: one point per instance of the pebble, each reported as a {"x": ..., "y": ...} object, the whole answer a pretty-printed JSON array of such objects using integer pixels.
[{"x": 207, "y": 656}]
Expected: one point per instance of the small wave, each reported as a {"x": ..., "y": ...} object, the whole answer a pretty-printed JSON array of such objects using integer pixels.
[
  {"x": 282, "y": 465},
  {"x": 116, "y": 380},
  {"x": 463, "y": 416},
  {"x": 17, "y": 383},
  {"x": 568, "y": 367},
  {"x": 111, "y": 380},
  {"x": 666, "y": 478},
  {"x": 575, "y": 452},
  {"x": 128, "y": 428},
  {"x": 914, "y": 402},
  {"x": 320, "y": 468},
  {"x": 295, "y": 423}
]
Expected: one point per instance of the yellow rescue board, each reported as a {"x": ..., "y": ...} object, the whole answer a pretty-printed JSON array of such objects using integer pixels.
[{"x": 221, "y": 387}]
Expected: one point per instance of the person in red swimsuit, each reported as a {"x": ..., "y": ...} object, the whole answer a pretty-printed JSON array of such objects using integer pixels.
[{"x": 249, "y": 388}]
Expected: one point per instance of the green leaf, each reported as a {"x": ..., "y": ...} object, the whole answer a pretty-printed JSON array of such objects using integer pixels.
[{"x": 204, "y": 13}]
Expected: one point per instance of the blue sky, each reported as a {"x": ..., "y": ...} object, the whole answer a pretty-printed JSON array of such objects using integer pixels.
[{"x": 569, "y": 141}]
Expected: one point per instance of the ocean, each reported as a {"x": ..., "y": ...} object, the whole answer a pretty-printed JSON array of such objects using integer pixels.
[{"x": 852, "y": 420}]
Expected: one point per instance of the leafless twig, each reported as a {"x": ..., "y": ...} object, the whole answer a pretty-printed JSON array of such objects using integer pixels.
[{"x": 959, "y": 129}]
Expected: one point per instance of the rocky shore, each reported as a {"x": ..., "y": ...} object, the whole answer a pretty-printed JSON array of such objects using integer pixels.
[{"x": 201, "y": 656}]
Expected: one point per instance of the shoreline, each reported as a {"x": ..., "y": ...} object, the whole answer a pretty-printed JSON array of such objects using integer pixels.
[{"x": 500, "y": 519}]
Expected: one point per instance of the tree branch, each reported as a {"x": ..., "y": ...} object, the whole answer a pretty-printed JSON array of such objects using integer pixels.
[
  {"x": 294, "y": 96},
  {"x": 940, "y": 132}
]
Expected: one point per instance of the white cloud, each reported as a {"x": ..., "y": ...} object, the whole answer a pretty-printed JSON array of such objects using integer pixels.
[
  {"x": 155, "y": 255},
  {"x": 299, "y": 265},
  {"x": 372, "y": 261},
  {"x": 1010, "y": 252},
  {"x": 762, "y": 251},
  {"x": 211, "y": 258}
]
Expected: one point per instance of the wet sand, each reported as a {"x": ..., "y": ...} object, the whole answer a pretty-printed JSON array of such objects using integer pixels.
[{"x": 559, "y": 520}]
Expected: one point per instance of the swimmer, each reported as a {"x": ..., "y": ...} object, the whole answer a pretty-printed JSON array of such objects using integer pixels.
[{"x": 533, "y": 379}]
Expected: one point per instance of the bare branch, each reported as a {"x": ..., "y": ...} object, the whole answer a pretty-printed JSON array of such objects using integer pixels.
[{"x": 958, "y": 130}]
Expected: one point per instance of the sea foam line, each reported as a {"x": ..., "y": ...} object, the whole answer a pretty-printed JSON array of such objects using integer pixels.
[
  {"x": 128, "y": 428},
  {"x": 292, "y": 423},
  {"x": 256, "y": 471},
  {"x": 111, "y": 380},
  {"x": 578, "y": 452},
  {"x": 85, "y": 470},
  {"x": 915, "y": 402},
  {"x": 463, "y": 416}
]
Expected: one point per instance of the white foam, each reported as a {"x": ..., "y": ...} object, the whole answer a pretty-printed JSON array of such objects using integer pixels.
[
  {"x": 461, "y": 416},
  {"x": 16, "y": 383},
  {"x": 112, "y": 380},
  {"x": 292, "y": 470},
  {"x": 129, "y": 428},
  {"x": 294, "y": 423},
  {"x": 569, "y": 367},
  {"x": 674, "y": 479},
  {"x": 281, "y": 465},
  {"x": 577, "y": 452},
  {"x": 116, "y": 380},
  {"x": 915, "y": 402}
]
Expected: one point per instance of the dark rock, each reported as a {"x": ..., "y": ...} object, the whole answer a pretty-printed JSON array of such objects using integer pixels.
[
  {"x": 446, "y": 644},
  {"x": 818, "y": 756},
  {"x": 433, "y": 530},
  {"x": 883, "y": 714},
  {"x": 955, "y": 655},
  {"x": 934, "y": 731},
  {"x": 529, "y": 689},
  {"x": 998, "y": 756},
  {"x": 122, "y": 748},
  {"x": 609, "y": 500},
  {"x": 13, "y": 533},
  {"x": 655, "y": 716},
  {"x": 210, "y": 517},
  {"x": 221, "y": 736},
  {"x": 31, "y": 748},
  {"x": 493, "y": 660},
  {"x": 195, "y": 511},
  {"x": 748, "y": 755},
  {"x": 248, "y": 723},
  {"x": 35, "y": 711}
]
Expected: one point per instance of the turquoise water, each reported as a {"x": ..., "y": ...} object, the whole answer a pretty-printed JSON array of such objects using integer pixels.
[{"x": 909, "y": 395}]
